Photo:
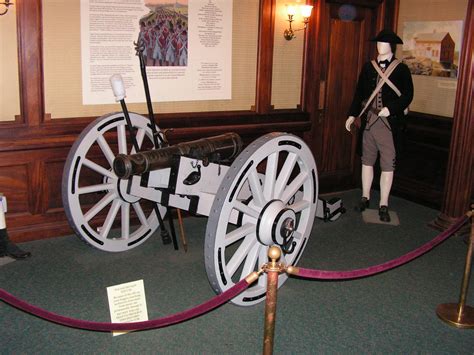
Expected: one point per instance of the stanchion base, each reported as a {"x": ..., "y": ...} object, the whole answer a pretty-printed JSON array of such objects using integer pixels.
[{"x": 448, "y": 312}]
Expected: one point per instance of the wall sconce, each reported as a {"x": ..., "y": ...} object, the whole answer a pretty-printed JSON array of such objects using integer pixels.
[
  {"x": 5, "y": 3},
  {"x": 291, "y": 10}
]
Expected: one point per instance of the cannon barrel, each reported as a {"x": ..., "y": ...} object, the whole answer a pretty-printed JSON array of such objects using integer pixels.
[{"x": 217, "y": 149}]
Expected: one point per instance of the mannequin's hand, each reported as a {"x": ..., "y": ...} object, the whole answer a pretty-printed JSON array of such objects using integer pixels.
[
  {"x": 384, "y": 112},
  {"x": 349, "y": 122}
]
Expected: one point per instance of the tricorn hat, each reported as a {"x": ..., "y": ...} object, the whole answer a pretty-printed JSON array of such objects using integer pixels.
[{"x": 387, "y": 36}]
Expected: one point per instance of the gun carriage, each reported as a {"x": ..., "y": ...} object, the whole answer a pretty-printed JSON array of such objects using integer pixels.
[{"x": 262, "y": 195}]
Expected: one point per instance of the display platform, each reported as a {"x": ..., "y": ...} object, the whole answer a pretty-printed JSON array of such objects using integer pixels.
[
  {"x": 4, "y": 260},
  {"x": 372, "y": 216}
]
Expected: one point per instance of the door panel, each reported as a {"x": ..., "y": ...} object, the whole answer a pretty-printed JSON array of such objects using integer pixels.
[
  {"x": 348, "y": 49},
  {"x": 342, "y": 77},
  {"x": 341, "y": 47}
]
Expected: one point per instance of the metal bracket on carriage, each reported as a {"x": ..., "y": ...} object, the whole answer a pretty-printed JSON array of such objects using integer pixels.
[{"x": 194, "y": 176}]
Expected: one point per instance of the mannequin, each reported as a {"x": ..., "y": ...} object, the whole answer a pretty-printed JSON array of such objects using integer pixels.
[{"x": 379, "y": 130}]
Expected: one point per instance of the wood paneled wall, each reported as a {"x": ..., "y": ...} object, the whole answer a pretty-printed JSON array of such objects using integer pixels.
[{"x": 33, "y": 149}]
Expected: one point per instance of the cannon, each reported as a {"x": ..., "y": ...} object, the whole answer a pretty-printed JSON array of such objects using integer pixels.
[
  {"x": 121, "y": 177},
  {"x": 262, "y": 196},
  {"x": 214, "y": 149}
]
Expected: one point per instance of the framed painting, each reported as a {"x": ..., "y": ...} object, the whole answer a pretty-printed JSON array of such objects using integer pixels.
[{"x": 432, "y": 47}]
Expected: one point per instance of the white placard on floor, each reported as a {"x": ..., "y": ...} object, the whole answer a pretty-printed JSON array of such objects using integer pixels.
[{"x": 127, "y": 303}]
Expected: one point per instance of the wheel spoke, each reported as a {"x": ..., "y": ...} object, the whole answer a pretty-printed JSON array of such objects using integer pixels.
[
  {"x": 300, "y": 205},
  {"x": 241, "y": 253},
  {"x": 239, "y": 233},
  {"x": 285, "y": 174},
  {"x": 246, "y": 209},
  {"x": 262, "y": 259},
  {"x": 283, "y": 259},
  {"x": 263, "y": 256},
  {"x": 294, "y": 186},
  {"x": 139, "y": 137},
  {"x": 99, "y": 206},
  {"x": 122, "y": 139},
  {"x": 98, "y": 169},
  {"x": 95, "y": 188},
  {"x": 250, "y": 261},
  {"x": 141, "y": 215},
  {"x": 109, "y": 220},
  {"x": 256, "y": 188},
  {"x": 104, "y": 146},
  {"x": 270, "y": 176},
  {"x": 125, "y": 220},
  {"x": 262, "y": 281}
]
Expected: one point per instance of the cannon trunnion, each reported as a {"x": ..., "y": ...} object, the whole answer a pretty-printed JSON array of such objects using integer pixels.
[{"x": 262, "y": 195}]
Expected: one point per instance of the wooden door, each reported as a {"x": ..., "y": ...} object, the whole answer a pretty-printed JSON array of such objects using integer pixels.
[{"x": 336, "y": 51}]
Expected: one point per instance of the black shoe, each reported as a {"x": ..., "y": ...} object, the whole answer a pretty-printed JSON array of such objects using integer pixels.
[
  {"x": 16, "y": 253},
  {"x": 383, "y": 214},
  {"x": 363, "y": 204}
]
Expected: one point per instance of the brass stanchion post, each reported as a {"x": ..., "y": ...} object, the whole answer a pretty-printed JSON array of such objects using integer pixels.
[
  {"x": 273, "y": 269},
  {"x": 459, "y": 314}
]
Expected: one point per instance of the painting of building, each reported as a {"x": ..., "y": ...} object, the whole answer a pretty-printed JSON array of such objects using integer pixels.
[
  {"x": 436, "y": 46},
  {"x": 432, "y": 47}
]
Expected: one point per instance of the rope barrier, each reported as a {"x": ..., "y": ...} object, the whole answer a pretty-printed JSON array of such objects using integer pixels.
[
  {"x": 151, "y": 324},
  {"x": 376, "y": 269},
  {"x": 230, "y": 293}
]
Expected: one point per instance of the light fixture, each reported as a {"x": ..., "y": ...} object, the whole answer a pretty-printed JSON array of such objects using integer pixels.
[
  {"x": 291, "y": 10},
  {"x": 5, "y": 3}
]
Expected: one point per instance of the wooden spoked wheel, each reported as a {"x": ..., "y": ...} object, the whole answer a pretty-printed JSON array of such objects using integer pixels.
[
  {"x": 267, "y": 197},
  {"x": 95, "y": 200}
]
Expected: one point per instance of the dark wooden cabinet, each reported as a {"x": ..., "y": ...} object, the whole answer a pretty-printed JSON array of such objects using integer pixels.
[{"x": 421, "y": 170}]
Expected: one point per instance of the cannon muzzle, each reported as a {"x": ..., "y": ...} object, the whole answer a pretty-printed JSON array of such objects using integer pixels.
[{"x": 217, "y": 149}]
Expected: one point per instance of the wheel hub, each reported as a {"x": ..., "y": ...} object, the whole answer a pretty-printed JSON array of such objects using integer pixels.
[
  {"x": 276, "y": 224},
  {"x": 122, "y": 188}
]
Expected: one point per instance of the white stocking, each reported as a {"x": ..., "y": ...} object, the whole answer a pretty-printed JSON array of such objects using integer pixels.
[
  {"x": 367, "y": 178},
  {"x": 386, "y": 178}
]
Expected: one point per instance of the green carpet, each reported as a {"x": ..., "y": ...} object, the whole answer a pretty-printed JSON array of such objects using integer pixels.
[{"x": 390, "y": 313}]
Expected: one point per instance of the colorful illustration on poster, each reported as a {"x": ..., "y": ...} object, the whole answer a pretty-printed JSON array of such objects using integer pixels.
[{"x": 164, "y": 33}]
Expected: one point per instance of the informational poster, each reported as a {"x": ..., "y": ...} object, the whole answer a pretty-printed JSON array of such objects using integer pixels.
[{"x": 186, "y": 45}]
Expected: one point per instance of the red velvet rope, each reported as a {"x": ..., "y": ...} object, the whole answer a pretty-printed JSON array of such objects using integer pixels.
[
  {"x": 359, "y": 273},
  {"x": 226, "y": 295},
  {"x": 107, "y": 327}
]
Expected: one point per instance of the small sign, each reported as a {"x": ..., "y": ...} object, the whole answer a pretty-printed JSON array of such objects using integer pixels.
[
  {"x": 448, "y": 84},
  {"x": 127, "y": 303}
]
